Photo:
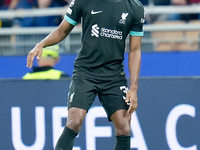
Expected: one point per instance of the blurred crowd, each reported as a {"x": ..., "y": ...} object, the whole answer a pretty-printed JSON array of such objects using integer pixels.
[
  {"x": 55, "y": 20},
  {"x": 185, "y": 17},
  {"x": 31, "y": 21},
  {"x": 173, "y": 16}
]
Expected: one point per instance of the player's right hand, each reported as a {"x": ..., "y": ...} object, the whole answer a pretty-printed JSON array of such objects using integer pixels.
[
  {"x": 131, "y": 99},
  {"x": 36, "y": 51}
]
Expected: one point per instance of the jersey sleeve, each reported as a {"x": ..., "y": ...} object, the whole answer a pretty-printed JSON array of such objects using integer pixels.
[
  {"x": 138, "y": 21},
  {"x": 74, "y": 12}
]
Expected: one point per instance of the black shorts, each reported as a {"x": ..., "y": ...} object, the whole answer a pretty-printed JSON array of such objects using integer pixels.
[{"x": 82, "y": 92}]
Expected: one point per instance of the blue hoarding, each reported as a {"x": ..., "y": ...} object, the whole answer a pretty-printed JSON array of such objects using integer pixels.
[{"x": 153, "y": 64}]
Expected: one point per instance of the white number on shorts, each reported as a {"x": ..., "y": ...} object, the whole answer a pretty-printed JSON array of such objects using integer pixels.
[{"x": 125, "y": 90}]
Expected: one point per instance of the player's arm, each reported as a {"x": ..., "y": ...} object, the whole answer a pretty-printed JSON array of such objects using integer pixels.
[
  {"x": 136, "y": 35},
  {"x": 54, "y": 37},
  {"x": 134, "y": 69}
]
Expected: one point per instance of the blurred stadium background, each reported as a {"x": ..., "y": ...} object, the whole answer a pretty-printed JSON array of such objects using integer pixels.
[
  {"x": 169, "y": 86},
  {"x": 160, "y": 35}
]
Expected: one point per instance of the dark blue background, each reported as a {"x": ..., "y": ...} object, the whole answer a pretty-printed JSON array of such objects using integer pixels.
[{"x": 157, "y": 97}]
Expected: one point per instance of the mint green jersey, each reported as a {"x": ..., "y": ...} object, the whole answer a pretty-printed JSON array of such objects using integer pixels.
[{"x": 105, "y": 26}]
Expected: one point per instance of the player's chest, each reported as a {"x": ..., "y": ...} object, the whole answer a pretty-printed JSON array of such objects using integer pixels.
[{"x": 108, "y": 13}]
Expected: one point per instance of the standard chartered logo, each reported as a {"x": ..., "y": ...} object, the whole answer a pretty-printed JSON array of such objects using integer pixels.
[
  {"x": 109, "y": 33},
  {"x": 95, "y": 30},
  {"x": 114, "y": 34}
]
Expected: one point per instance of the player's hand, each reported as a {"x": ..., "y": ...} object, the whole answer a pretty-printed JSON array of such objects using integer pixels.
[
  {"x": 36, "y": 51},
  {"x": 131, "y": 99}
]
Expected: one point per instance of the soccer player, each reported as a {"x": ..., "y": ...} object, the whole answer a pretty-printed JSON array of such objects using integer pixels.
[{"x": 98, "y": 68}]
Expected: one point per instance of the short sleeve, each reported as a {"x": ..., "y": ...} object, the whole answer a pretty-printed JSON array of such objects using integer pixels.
[
  {"x": 74, "y": 12},
  {"x": 139, "y": 19}
]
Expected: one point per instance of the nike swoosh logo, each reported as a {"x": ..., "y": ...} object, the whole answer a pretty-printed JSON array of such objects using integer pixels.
[{"x": 95, "y": 12}]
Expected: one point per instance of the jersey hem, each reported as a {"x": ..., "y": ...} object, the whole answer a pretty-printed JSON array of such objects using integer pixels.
[{"x": 100, "y": 78}]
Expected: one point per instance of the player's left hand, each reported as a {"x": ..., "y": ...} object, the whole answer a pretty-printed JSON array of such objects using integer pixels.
[{"x": 131, "y": 99}]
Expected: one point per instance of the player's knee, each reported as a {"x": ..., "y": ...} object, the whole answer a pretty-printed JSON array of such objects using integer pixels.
[
  {"x": 75, "y": 124},
  {"x": 123, "y": 129}
]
